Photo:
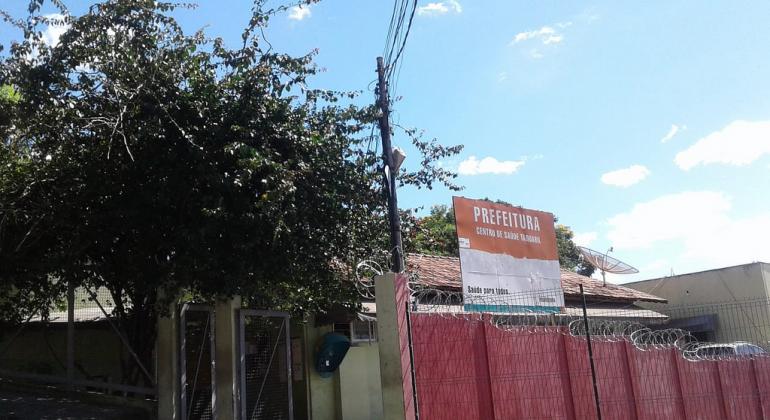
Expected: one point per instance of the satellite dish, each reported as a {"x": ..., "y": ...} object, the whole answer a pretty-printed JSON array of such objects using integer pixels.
[{"x": 605, "y": 263}]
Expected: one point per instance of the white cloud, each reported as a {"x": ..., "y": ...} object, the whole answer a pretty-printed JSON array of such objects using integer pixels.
[
  {"x": 626, "y": 177},
  {"x": 738, "y": 241},
  {"x": 55, "y": 29},
  {"x": 537, "y": 156},
  {"x": 656, "y": 265},
  {"x": 699, "y": 223},
  {"x": 669, "y": 217},
  {"x": 502, "y": 76},
  {"x": 489, "y": 165},
  {"x": 585, "y": 238},
  {"x": 299, "y": 12},
  {"x": 56, "y": 26},
  {"x": 673, "y": 132},
  {"x": 547, "y": 35},
  {"x": 440, "y": 8},
  {"x": 739, "y": 143}
]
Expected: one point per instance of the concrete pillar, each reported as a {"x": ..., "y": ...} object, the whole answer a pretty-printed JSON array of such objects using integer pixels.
[
  {"x": 227, "y": 338},
  {"x": 392, "y": 296},
  {"x": 168, "y": 365}
]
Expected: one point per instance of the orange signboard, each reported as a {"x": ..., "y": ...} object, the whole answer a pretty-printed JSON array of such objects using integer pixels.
[
  {"x": 502, "y": 229},
  {"x": 508, "y": 257}
]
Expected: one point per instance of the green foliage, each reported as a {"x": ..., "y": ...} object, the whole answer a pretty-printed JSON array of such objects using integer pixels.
[
  {"x": 9, "y": 94},
  {"x": 569, "y": 256},
  {"x": 137, "y": 158},
  {"x": 8, "y": 97},
  {"x": 435, "y": 234}
]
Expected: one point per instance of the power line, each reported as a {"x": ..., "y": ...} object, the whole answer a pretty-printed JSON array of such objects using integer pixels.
[
  {"x": 392, "y": 65},
  {"x": 395, "y": 42}
]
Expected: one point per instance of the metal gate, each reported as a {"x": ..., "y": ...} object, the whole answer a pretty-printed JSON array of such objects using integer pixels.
[
  {"x": 265, "y": 362},
  {"x": 196, "y": 360}
]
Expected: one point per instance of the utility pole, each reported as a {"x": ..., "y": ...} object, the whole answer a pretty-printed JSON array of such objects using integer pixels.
[{"x": 390, "y": 173}]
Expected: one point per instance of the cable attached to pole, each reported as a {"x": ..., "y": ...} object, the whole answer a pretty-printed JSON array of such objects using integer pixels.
[{"x": 390, "y": 171}]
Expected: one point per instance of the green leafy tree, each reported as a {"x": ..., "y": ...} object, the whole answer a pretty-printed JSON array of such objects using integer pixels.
[
  {"x": 149, "y": 162},
  {"x": 435, "y": 234},
  {"x": 569, "y": 256}
]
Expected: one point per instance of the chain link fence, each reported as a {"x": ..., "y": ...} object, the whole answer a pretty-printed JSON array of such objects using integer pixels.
[
  {"x": 266, "y": 366},
  {"x": 78, "y": 343},
  {"x": 197, "y": 362}
]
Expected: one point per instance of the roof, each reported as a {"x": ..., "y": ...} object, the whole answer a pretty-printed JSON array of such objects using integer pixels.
[
  {"x": 370, "y": 308},
  {"x": 444, "y": 273},
  {"x": 80, "y": 315}
]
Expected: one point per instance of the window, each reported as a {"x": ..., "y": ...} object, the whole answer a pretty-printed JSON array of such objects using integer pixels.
[
  {"x": 358, "y": 331},
  {"x": 363, "y": 331}
]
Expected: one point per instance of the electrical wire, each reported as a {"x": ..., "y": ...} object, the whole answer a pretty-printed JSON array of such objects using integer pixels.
[{"x": 399, "y": 28}]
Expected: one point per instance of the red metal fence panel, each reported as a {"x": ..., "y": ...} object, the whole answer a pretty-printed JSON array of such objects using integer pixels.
[
  {"x": 468, "y": 368},
  {"x": 739, "y": 389},
  {"x": 530, "y": 379},
  {"x": 451, "y": 368},
  {"x": 655, "y": 384},
  {"x": 701, "y": 389},
  {"x": 613, "y": 380},
  {"x": 762, "y": 374}
]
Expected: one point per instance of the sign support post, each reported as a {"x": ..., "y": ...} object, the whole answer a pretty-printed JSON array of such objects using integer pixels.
[{"x": 590, "y": 354}]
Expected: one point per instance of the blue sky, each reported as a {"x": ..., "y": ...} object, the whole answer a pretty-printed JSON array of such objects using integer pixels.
[{"x": 642, "y": 125}]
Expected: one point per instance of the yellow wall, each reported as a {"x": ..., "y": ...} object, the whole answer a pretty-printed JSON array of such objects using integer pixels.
[
  {"x": 353, "y": 393},
  {"x": 731, "y": 293},
  {"x": 323, "y": 393},
  {"x": 713, "y": 286},
  {"x": 361, "y": 397}
]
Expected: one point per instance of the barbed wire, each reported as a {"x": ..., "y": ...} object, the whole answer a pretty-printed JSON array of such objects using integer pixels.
[
  {"x": 364, "y": 282},
  {"x": 644, "y": 329}
]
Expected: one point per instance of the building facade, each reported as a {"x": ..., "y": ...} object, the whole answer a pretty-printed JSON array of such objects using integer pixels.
[{"x": 723, "y": 305}]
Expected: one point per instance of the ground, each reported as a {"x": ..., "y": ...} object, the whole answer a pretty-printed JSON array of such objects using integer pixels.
[{"x": 28, "y": 405}]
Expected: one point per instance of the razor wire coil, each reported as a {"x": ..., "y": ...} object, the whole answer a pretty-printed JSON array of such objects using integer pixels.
[{"x": 603, "y": 326}]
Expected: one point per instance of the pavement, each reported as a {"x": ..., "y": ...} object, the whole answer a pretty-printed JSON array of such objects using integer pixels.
[{"x": 36, "y": 405}]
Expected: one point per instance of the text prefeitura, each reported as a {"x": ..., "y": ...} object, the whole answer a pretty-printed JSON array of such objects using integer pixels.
[{"x": 505, "y": 218}]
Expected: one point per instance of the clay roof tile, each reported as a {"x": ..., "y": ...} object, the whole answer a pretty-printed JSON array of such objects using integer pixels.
[{"x": 444, "y": 273}]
